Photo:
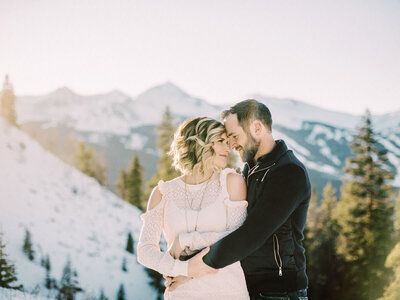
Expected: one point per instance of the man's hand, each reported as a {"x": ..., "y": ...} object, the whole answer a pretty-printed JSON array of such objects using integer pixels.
[
  {"x": 196, "y": 266},
  {"x": 175, "y": 250},
  {"x": 171, "y": 283}
]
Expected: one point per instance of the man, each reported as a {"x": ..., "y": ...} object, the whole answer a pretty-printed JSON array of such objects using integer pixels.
[{"x": 269, "y": 243}]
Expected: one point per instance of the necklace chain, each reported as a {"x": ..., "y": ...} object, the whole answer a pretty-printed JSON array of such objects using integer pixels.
[{"x": 191, "y": 203}]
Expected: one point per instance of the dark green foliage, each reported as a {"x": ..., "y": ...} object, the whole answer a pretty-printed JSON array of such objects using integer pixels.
[
  {"x": 157, "y": 282},
  {"x": 28, "y": 246},
  {"x": 102, "y": 295},
  {"x": 85, "y": 160},
  {"x": 49, "y": 282},
  {"x": 323, "y": 264},
  {"x": 124, "y": 265},
  {"x": 8, "y": 276},
  {"x": 365, "y": 218},
  {"x": 397, "y": 219},
  {"x": 121, "y": 293},
  {"x": 69, "y": 285},
  {"x": 165, "y": 135},
  {"x": 130, "y": 244},
  {"x": 130, "y": 183}
]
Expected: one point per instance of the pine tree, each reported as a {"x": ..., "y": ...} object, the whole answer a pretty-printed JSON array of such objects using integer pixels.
[
  {"x": 322, "y": 259},
  {"x": 130, "y": 183},
  {"x": 49, "y": 282},
  {"x": 124, "y": 265},
  {"x": 392, "y": 292},
  {"x": 86, "y": 161},
  {"x": 8, "y": 276},
  {"x": 28, "y": 247},
  {"x": 311, "y": 217},
  {"x": 135, "y": 182},
  {"x": 122, "y": 184},
  {"x": 102, "y": 295},
  {"x": 130, "y": 244},
  {"x": 364, "y": 215},
  {"x": 121, "y": 293},
  {"x": 7, "y": 102},
  {"x": 309, "y": 231},
  {"x": 157, "y": 282},
  {"x": 165, "y": 135},
  {"x": 397, "y": 219},
  {"x": 69, "y": 285}
]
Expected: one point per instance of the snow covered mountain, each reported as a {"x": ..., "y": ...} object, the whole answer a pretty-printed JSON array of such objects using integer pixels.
[
  {"x": 69, "y": 216},
  {"x": 114, "y": 112},
  {"x": 117, "y": 125}
]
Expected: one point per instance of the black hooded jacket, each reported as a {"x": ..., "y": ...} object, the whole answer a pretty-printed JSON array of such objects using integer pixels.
[{"x": 269, "y": 243}]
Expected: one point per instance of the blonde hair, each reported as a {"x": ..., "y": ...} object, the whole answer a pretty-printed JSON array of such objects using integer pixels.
[{"x": 191, "y": 148}]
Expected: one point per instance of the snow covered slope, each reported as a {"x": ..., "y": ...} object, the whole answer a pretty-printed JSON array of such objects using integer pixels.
[{"x": 69, "y": 215}]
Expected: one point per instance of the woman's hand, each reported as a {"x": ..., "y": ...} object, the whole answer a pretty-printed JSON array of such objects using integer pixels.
[
  {"x": 171, "y": 283},
  {"x": 175, "y": 250}
]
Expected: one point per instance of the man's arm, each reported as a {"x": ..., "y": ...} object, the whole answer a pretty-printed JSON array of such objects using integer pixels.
[{"x": 281, "y": 194}]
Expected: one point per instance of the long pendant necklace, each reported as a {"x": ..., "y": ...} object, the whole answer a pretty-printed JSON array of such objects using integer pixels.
[{"x": 191, "y": 203}]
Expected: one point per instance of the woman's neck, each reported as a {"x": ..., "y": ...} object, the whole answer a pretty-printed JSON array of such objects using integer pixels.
[{"x": 197, "y": 178}]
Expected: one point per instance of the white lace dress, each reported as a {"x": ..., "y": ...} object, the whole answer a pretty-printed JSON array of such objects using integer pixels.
[{"x": 217, "y": 217}]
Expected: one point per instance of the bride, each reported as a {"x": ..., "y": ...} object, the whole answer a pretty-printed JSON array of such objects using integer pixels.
[{"x": 195, "y": 210}]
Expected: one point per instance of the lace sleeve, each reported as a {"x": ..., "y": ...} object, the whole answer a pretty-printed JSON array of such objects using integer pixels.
[
  {"x": 235, "y": 216},
  {"x": 149, "y": 253}
]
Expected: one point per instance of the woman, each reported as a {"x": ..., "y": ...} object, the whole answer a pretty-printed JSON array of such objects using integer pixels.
[{"x": 194, "y": 211}]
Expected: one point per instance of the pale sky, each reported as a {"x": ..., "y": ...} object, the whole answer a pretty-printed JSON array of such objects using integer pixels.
[{"x": 341, "y": 55}]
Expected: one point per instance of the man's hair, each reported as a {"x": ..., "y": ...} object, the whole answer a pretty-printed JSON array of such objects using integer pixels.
[{"x": 248, "y": 111}]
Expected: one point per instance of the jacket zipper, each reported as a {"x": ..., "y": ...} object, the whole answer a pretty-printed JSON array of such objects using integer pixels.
[
  {"x": 255, "y": 170},
  {"x": 277, "y": 256}
]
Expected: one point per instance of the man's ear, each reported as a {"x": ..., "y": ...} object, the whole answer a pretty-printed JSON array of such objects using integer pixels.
[{"x": 257, "y": 127}]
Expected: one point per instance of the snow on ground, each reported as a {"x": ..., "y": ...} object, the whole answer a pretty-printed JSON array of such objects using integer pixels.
[
  {"x": 9, "y": 294},
  {"x": 69, "y": 215}
]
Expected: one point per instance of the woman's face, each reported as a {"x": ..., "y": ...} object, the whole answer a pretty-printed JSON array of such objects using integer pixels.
[{"x": 221, "y": 149}]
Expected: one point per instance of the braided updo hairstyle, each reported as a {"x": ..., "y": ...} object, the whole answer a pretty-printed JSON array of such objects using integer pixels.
[{"x": 191, "y": 148}]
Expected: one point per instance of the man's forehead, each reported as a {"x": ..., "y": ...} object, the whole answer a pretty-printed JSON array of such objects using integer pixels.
[{"x": 231, "y": 124}]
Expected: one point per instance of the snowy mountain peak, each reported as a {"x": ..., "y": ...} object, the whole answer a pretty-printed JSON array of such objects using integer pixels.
[
  {"x": 165, "y": 90},
  {"x": 63, "y": 92}
]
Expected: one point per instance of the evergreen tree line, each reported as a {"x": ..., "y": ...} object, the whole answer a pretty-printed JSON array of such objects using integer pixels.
[
  {"x": 352, "y": 236},
  {"x": 353, "y": 241},
  {"x": 68, "y": 286}
]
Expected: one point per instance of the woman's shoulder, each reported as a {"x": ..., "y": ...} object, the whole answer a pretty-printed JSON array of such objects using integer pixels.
[
  {"x": 161, "y": 189},
  {"x": 235, "y": 185}
]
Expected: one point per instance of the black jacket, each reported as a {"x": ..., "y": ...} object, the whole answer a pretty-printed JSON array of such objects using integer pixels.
[{"x": 269, "y": 243}]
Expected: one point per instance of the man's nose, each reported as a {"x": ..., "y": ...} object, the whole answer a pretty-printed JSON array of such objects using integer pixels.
[{"x": 232, "y": 145}]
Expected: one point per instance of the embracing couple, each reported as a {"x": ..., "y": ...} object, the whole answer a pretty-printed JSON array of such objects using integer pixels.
[{"x": 229, "y": 235}]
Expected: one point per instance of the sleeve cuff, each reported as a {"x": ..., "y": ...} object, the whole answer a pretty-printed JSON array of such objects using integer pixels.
[
  {"x": 180, "y": 268},
  {"x": 184, "y": 240},
  {"x": 230, "y": 203}
]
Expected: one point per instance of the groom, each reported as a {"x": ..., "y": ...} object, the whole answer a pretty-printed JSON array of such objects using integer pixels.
[{"x": 269, "y": 243}]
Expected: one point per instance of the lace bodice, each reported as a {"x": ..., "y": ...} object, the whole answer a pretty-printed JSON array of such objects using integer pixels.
[{"x": 199, "y": 214}]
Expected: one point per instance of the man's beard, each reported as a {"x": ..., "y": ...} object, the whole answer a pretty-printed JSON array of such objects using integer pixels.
[{"x": 249, "y": 150}]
